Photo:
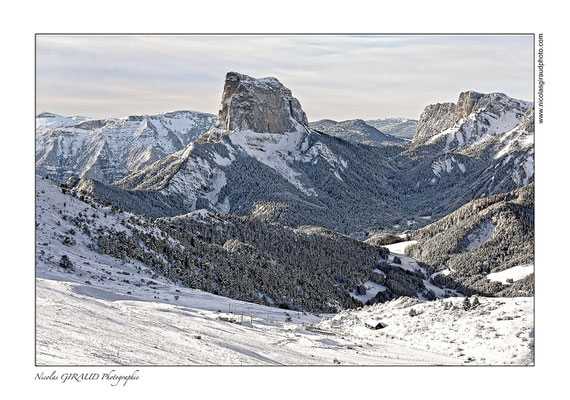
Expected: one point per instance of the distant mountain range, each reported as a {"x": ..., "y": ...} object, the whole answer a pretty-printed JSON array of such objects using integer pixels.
[
  {"x": 356, "y": 131},
  {"x": 375, "y": 132},
  {"x": 109, "y": 149},
  {"x": 401, "y": 128}
]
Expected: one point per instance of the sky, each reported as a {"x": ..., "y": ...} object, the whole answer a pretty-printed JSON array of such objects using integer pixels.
[{"x": 337, "y": 77}]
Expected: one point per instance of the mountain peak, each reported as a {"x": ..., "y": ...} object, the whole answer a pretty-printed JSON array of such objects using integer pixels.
[
  {"x": 473, "y": 117},
  {"x": 258, "y": 105},
  {"x": 46, "y": 114}
]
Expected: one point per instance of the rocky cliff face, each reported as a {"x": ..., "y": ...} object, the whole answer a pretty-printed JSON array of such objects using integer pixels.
[
  {"x": 527, "y": 123},
  {"x": 258, "y": 105},
  {"x": 441, "y": 116},
  {"x": 435, "y": 118},
  {"x": 474, "y": 117}
]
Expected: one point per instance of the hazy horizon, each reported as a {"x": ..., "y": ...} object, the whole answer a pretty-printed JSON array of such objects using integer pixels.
[{"x": 335, "y": 77}]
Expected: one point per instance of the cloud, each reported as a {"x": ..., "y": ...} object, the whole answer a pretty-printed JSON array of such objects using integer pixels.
[{"x": 338, "y": 77}]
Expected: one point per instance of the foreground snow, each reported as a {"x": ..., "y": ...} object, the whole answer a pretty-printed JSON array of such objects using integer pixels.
[
  {"x": 498, "y": 331},
  {"x": 79, "y": 325}
]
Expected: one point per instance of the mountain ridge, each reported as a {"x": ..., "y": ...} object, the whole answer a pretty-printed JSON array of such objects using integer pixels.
[
  {"x": 474, "y": 117},
  {"x": 402, "y": 128},
  {"x": 109, "y": 149},
  {"x": 356, "y": 131},
  {"x": 306, "y": 177}
]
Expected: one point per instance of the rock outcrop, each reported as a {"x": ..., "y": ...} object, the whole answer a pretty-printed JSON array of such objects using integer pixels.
[
  {"x": 527, "y": 123},
  {"x": 441, "y": 116},
  {"x": 258, "y": 105},
  {"x": 435, "y": 118}
]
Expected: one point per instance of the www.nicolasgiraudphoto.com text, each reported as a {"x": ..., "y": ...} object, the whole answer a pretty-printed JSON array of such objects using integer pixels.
[{"x": 540, "y": 65}]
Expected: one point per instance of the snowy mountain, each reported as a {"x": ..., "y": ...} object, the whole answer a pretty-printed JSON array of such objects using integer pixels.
[
  {"x": 401, "y": 128},
  {"x": 303, "y": 177},
  {"x": 46, "y": 121},
  {"x": 474, "y": 118},
  {"x": 108, "y": 150},
  {"x": 296, "y": 176},
  {"x": 483, "y": 145},
  {"x": 356, "y": 131}
]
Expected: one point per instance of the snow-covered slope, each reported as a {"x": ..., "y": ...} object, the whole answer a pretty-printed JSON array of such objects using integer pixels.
[
  {"x": 295, "y": 178},
  {"x": 309, "y": 268},
  {"x": 102, "y": 327},
  {"x": 497, "y": 331},
  {"x": 108, "y": 150},
  {"x": 481, "y": 240},
  {"x": 512, "y": 275}
]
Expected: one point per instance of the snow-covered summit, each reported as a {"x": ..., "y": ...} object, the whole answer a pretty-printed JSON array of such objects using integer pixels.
[{"x": 46, "y": 121}]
